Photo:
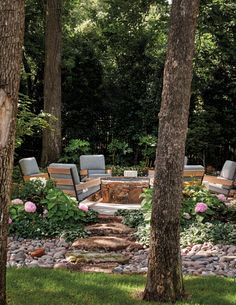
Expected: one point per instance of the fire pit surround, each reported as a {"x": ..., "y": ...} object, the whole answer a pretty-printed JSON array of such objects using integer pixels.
[{"x": 123, "y": 189}]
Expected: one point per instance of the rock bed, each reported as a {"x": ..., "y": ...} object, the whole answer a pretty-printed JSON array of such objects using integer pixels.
[
  {"x": 205, "y": 259},
  {"x": 202, "y": 259},
  {"x": 19, "y": 253}
]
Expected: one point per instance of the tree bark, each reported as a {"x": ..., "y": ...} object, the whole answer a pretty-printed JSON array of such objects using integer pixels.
[
  {"x": 164, "y": 279},
  {"x": 11, "y": 41},
  {"x": 52, "y": 82}
]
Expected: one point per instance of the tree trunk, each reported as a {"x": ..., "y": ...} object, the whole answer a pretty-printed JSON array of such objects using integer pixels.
[
  {"x": 164, "y": 279},
  {"x": 52, "y": 82},
  {"x": 11, "y": 41}
]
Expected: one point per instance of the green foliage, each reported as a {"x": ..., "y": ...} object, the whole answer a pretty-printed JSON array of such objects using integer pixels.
[
  {"x": 34, "y": 190},
  {"x": 148, "y": 148},
  {"x": 61, "y": 207},
  {"x": 112, "y": 76},
  {"x": 215, "y": 232},
  {"x": 143, "y": 232},
  {"x": 119, "y": 170},
  {"x": 131, "y": 218},
  {"x": 75, "y": 148},
  {"x": 197, "y": 193},
  {"x": 56, "y": 214},
  {"x": 216, "y": 224},
  {"x": 117, "y": 150},
  {"x": 29, "y": 123}
]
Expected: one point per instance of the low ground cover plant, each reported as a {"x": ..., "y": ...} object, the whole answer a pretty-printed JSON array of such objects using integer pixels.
[
  {"x": 204, "y": 217},
  {"x": 39, "y": 209}
]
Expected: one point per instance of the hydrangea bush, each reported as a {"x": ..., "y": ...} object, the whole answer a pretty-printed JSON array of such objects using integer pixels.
[
  {"x": 199, "y": 209},
  {"x": 38, "y": 209}
]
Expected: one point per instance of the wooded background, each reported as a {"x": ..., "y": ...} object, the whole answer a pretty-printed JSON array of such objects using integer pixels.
[{"x": 113, "y": 57}]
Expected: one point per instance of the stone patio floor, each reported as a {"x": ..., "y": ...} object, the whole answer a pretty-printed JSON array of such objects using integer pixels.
[{"x": 109, "y": 208}]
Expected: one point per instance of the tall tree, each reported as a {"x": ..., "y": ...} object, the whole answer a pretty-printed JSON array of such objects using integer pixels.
[
  {"x": 11, "y": 41},
  {"x": 52, "y": 81},
  {"x": 164, "y": 279}
]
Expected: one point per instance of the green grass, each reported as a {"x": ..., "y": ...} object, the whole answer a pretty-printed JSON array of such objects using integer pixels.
[{"x": 61, "y": 287}]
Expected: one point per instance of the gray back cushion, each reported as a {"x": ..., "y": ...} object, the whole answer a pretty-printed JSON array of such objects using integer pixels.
[
  {"x": 29, "y": 166},
  {"x": 72, "y": 166},
  {"x": 229, "y": 170},
  {"x": 92, "y": 162}
]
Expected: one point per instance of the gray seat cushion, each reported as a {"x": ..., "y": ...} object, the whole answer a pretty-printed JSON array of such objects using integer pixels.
[
  {"x": 72, "y": 166},
  {"x": 229, "y": 170},
  {"x": 29, "y": 166},
  {"x": 218, "y": 188}
]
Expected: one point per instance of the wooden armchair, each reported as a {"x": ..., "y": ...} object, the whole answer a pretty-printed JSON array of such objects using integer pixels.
[
  {"x": 29, "y": 169},
  {"x": 93, "y": 166},
  {"x": 224, "y": 182},
  {"x": 67, "y": 179}
]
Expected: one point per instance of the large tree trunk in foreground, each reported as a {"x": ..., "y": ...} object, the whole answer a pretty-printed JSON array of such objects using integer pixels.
[
  {"x": 11, "y": 40},
  {"x": 164, "y": 280},
  {"x": 52, "y": 82}
]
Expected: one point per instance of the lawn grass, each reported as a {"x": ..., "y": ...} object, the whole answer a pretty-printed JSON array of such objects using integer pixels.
[{"x": 61, "y": 287}]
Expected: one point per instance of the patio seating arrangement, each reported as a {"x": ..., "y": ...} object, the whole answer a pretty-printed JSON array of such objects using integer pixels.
[
  {"x": 224, "y": 182},
  {"x": 29, "y": 169},
  {"x": 93, "y": 166},
  {"x": 66, "y": 178}
]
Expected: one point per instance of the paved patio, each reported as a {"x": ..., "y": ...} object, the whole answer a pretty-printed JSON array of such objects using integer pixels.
[{"x": 109, "y": 208}]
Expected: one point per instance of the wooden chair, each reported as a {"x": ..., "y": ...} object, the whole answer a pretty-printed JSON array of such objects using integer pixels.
[
  {"x": 67, "y": 179},
  {"x": 190, "y": 173},
  {"x": 93, "y": 166},
  {"x": 223, "y": 183},
  {"x": 29, "y": 169},
  {"x": 193, "y": 173}
]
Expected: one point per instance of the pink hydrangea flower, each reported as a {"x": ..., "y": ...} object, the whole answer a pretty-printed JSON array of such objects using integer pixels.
[
  {"x": 201, "y": 207},
  {"x": 83, "y": 207},
  {"x": 9, "y": 220},
  {"x": 30, "y": 207},
  {"x": 17, "y": 201},
  {"x": 221, "y": 197}
]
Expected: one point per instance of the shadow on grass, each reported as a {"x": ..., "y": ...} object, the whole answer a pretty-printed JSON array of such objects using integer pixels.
[{"x": 60, "y": 287}]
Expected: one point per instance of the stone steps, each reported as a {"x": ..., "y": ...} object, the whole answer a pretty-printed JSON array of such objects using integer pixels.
[{"x": 108, "y": 246}]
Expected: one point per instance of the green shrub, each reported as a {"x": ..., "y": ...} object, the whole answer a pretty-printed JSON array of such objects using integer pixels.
[
  {"x": 119, "y": 170},
  {"x": 195, "y": 194},
  {"x": 75, "y": 148},
  {"x": 131, "y": 218},
  {"x": 215, "y": 232},
  {"x": 39, "y": 209},
  {"x": 212, "y": 225}
]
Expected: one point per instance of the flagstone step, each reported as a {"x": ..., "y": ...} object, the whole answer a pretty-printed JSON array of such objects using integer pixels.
[
  {"x": 110, "y": 228},
  {"x": 82, "y": 257},
  {"x": 107, "y": 243}
]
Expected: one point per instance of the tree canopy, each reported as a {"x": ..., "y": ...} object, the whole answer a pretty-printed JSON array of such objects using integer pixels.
[{"x": 113, "y": 59}]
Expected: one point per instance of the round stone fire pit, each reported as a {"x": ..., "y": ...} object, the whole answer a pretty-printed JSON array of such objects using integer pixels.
[{"x": 123, "y": 189}]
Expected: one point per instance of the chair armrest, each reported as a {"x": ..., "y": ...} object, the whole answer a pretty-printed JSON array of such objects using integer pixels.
[
  {"x": 109, "y": 171},
  {"x": 88, "y": 184},
  {"x": 42, "y": 175},
  {"x": 217, "y": 180},
  {"x": 83, "y": 172}
]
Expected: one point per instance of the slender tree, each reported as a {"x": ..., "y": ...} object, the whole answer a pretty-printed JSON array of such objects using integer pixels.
[
  {"x": 11, "y": 41},
  {"x": 164, "y": 279},
  {"x": 52, "y": 81}
]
